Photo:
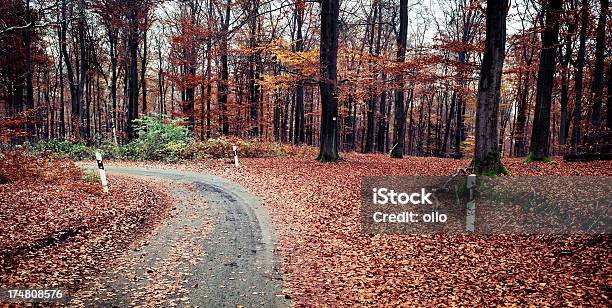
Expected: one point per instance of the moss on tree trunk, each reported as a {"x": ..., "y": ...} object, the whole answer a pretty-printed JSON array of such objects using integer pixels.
[{"x": 490, "y": 166}]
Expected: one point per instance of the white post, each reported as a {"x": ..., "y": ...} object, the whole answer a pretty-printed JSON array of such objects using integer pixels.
[
  {"x": 102, "y": 172},
  {"x": 471, "y": 205},
  {"x": 235, "y": 148}
]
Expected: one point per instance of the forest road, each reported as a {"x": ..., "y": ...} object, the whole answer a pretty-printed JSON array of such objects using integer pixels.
[{"x": 216, "y": 250}]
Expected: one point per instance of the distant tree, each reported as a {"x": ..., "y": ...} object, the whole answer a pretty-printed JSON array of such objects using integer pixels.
[
  {"x": 598, "y": 71},
  {"x": 565, "y": 59},
  {"x": 584, "y": 13},
  {"x": 112, "y": 23},
  {"x": 609, "y": 101},
  {"x": 300, "y": 122},
  {"x": 486, "y": 155},
  {"x": 223, "y": 82},
  {"x": 540, "y": 134}
]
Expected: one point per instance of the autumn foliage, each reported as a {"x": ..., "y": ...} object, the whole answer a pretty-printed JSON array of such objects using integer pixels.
[
  {"x": 328, "y": 261},
  {"x": 18, "y": 166}
]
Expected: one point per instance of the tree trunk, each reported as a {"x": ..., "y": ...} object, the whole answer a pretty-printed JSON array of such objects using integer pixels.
[
  {"x": 411, "y": 121},
  {"x": 62, "y": 129},
  {"x": 253, "y": 75},
  {"x": 27, "y": 40},
  {"x": 328, "y": 149},
  {"x": 113, "y": 40},
  {"x": 520, "y": 135},
  {"x": 222, "y": 85},
  {"x": 609, "y": 101},
  {"x": 579, "y": 76},
  {"x": 83, "y": 70},
  {"x": 399, "y": 130},
  {"x": 160, "y": 81},
  {"x": 74, "y": 111},
  {"x": 143, "y": 71},
  {"x": 371, "y": 108},
  {"x": 598, "y": 72},
  {"x": 208, "y": 83},
  {"x": 567, "y": 56},
  {"x": 300, "y": 122},
  {"x": 540, "y": 134},
  {"x": 381, "y": 136},
  {"x": 132, "y": 71},
  {"x": 486, "y": 156}
]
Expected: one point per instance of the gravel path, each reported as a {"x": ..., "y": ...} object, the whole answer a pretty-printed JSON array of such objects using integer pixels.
[{"x": 217, "y": 250}]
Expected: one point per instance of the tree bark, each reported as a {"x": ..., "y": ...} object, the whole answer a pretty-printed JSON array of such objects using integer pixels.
[{"x": 486, "y": 156}]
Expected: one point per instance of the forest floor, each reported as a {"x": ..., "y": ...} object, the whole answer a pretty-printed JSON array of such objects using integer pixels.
[
  {"x": 60, "y": 230},
  {"x": 314, "y": 211},
  {"x": 328, "y": 261}
]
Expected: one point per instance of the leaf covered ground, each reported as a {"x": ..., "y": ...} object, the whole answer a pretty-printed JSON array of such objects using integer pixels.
[
  {"x": 58, "y": 228},
  {"x": 328, "y": 261}
]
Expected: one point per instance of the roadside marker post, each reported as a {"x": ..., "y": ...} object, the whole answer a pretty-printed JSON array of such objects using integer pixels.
[
  {"x": 102, "y": 172},
  {"x": 470, "y": 216},
  {"x": 235, "y": 148}
]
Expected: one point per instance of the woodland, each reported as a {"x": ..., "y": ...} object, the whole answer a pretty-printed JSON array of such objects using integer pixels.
[
  {"x": 165, "y": 89},
  {"x": 443, "y": 78}
]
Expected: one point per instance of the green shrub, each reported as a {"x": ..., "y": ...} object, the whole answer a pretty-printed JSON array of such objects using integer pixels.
[
  {"x": 159, "y": 138},
  {"x": 80, "y": 151}
]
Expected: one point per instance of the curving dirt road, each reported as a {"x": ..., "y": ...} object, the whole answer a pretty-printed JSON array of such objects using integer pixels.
[{"x": 216, "y": 250}]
